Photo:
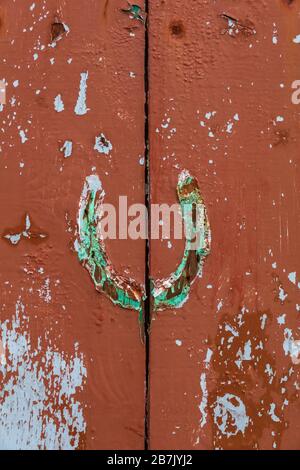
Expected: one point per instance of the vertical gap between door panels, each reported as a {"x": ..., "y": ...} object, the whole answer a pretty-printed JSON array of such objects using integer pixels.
[{"x": 147, "y": 304}]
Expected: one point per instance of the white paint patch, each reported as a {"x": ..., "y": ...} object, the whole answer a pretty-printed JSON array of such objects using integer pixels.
[
  {"x": 16, "y": 83},
  {"x": 203, "y": 404},
  {"x": 270, "y": 372},
  {"x": 102, "y": 145},
  {"x": 39, "y": 409},
  {"x": 229, "y": 127},
  {"x": 14, "y": 239},
  {"x": 296, "y": 39},
  {"x": 209, "y": 354},
  {"x": 178, "y": 342},
  {"x": 81, "y": 108},
  {"x": 281, "y": 319},
  {"x": 231, "y": 329},
  {"x": 245, "y": 355},
  {"x": 263, "y": 320},
  {"x": 23, "y": 136},
  {"x": 209, "y": 115},
  {"x": 275, "y": 34},
  {"x": 282, "y": 295},
  {"x": 58, "y": 104},
  {"x": 295, "y": 352},
  {"x": 67, "y": 148},
  {"x": 230, "y": 415},
  {"x": 271, "y": 412},
  {"x": 291, "y": 347},
  {"x": 45, "y": 291},
  {"x": 292, "y": 277},
  {"x": 2, "y": 354}
]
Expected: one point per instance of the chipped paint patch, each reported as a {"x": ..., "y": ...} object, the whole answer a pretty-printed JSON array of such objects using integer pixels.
[
  {"x": 135, "y": 12},
  {"x": 296, "y": 39},
  {"x": 67, "y": 148},
  {"x": 58, "y": 104},
  {"x": 291, "y": 347},
  {"x": 245, "y": 355},
  {"x": 271, "y": 412},
  {"x": 282, "y": 294},
  {"x": 103, "y": 145},
  {"x": 27, "y": 233},
  {"x": 209, "y": 354},
  {"x": 38, "y": 386},
  {"x": 203, "y": 404},
  {"x": 81, "y": 107},
  {"x": 292, "y": 277},
  {"x": 281, "y": 319},
  {"x": 23, "y": 136},
  {"x": 230, "y": 415}
]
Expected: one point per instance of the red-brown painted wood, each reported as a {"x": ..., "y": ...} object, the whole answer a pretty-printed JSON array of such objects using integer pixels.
[
  {"x": 98, "y": 403},
  {"x": 224, "y": 369}
]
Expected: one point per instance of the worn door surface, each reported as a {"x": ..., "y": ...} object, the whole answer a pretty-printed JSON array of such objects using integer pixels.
[
  {"x": 72, "y": 363},
  {"x": 219, "y": 365},
  {"x": 224, "y": 368}
]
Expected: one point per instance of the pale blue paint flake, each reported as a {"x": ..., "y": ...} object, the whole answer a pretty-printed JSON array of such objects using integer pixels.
[{"x": 81, "y": 108}]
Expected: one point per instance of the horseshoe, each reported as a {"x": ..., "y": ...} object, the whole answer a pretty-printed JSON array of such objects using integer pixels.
[
  {"x": 91, "y": 250},
  {"x": 171, "y": 292}
]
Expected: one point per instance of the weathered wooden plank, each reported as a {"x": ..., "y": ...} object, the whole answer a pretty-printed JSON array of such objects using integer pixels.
[
  {"x": 224, "y": 369},
  {"x": 72, "y": 363}
]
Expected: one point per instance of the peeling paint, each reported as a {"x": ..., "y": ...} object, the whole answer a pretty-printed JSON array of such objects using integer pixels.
[
  {"x": 203, "y": 404},
  {"x": 29, "y": 376},
  {"x": 81, "y": 107},
  {"x": 230, "y": 415},
  {"x": 67, "y": 148},
  {"x": 28, "y": 232},
  {"x": 103, "y": 145},
  {"x": 58, "y": 104}
]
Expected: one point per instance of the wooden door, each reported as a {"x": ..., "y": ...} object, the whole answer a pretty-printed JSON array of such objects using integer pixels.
[
  {"x": 224, "y": 368},
  {"x": 72, "y": 370},
  {"x": 120, "y": 344}
]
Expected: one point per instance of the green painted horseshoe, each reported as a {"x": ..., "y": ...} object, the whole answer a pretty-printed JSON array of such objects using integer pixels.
[
  {"x": 171, "y": 292},
  {"x": 91, "y": 250}
]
